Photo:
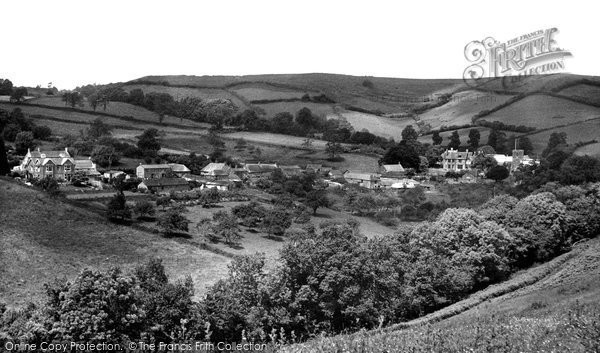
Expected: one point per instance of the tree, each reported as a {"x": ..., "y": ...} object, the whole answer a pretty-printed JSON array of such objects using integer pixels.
[
  {"x": 173, "y": 222},
  {"x": 454, "y": 140},
  {"x": 6, "y": 87},
  {"x": 209, "y": 197},
  {"x": 409, "y": 133},
  {"x": 497, "y": 139},
  {"x": 149, "y": 142},
  {"x": 579, "y": 170},
  {"x": 483, "y": 162},
  {"x": 144, "y": 208},
  {"x": 98, "y": 129},
  {"x": 557, "y": 140},
  {"x": 18, "y": 95},
  {"x": 96, "y": 99},
  {"x": 105, "y": 156},
  {"x": 251, "y": 213},
  {"x": 4, "y": 168},
  {"x": 405, "y": 153},
  {"x": 498, "y": 173},
  {"x": 306, "y": 119},
  {"x": 276, "y": 222},
  {"x": 42, "y": 132},
  {"x": 24, "y": 141},
  {"x": 473, "y": 141},
  {"x": 73, "y": 99},
  {"x": 334, "y": 149},
  {"x": 436, "y": 138},
  {"x": 316, "y": 199},
  {"x": 226, "y": 226},
  {"x": 117, "y": 208},
  {"x": 283, "y": 123},
  {"x": 163, "y": 201}
]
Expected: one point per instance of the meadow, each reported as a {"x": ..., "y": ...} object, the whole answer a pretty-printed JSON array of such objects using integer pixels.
[
  {"x": 378, "y": 125},
  {"x": 65, "y": 238},
  {"x": 260, "y": 93}
]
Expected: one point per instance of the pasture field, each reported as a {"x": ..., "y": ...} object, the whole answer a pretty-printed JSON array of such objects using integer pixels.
[
  {"x": 273, "y": 139},
  {"x": 589, "y": 92},
  {"x": 542, "y": 111},
  {"x": 182, "y": 92},
  {"x": 585, "y": 131},
  {"x": 64, "y": 239},
  {"x": 461, "y": 108},
  {"x": 591, "y": 150},
  {"x": 259, "y": 93},
  {"x": 378, "y": 125},
  {"x": 271, "y": 109}
]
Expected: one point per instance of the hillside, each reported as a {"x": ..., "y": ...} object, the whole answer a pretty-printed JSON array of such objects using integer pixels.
[
  {"x": 64, "y": 239},
  {"x": 552, "y": 307},
  {"x": 384, "y": 106}
]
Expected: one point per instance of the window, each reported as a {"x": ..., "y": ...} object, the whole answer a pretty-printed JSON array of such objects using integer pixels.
[
  {"x": 67, "y": 168},
  {"x": 49, "y": 168}
]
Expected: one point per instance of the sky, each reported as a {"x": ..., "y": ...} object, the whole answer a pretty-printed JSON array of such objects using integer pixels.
[{"x": 72, "y": 43}]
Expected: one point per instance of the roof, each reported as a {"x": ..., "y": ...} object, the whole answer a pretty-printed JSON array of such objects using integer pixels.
[
  {"x": 211, "y": 167},
  {"x": 154, "y": 166},
  {"x": 179, "y": 168},
  {"x": 314, "y": 166},
  {"x": 50, "y": 154},
  {"x": 84, "y": 164},
  {"x": 114, "y": 172},
  {"x": 361, "y": 175},
  {"x": 393, "y": 167},
  {"x": 165, "y": 182},
  {"x": 290, "y": 167},
  {"x": 57, "y": 161},
  {"x": 501, "y": 158},
  {"x": 455, "y": 154},
  {"x": 260, "y": 168}
]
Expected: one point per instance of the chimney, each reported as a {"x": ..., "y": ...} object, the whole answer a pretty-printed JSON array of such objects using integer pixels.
[
  {"x": 38, "y": 149},
  {"x": 28, "y": 150},
  {"x": 67, "y": 149}
]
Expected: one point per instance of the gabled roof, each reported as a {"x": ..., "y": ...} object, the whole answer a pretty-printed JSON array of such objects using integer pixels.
[
  {"x": 290, "y": 167},
  {"x": 154, "y": 166},
  {"x": 165, "y": 182},
  {"x": 84, "y": 164},
  {"x": 361, "y": 175},
  {"x": 179, "y": 168},
  {"x": 211, "y": 167},
  {"x": 50, "y": 154},
  {"x": 260, "y": 168},
  {"x": 393, "y": 167},
  {"x": 455, "y": 154}
]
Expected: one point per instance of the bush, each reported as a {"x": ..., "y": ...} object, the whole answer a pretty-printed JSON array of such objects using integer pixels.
[
  {"x": 172, "y": 223},
  {"x": 42, "y": 132}
]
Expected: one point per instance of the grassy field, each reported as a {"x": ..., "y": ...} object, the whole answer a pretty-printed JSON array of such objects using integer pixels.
[
  {"x": 592, "y": 150},
  {"x": 273, "y": 139},
  {"x": 183, "y": 92},
  {"x": 585, "y": 131},
  {"x": 260, "y": 93},
  {"x": 378, "y": 125},
  {"x": 63, "y": 239},
  {"x": 293, "y": 107},
  {"x": 462, "y": 108},
  {"x": 541, "y": 111},
  {"x": 591, "y": 93}
]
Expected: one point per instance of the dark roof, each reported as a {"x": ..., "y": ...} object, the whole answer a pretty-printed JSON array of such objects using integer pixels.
[
  {"x": 165, "y": 182},
  {"x": 155, "y": 166}
]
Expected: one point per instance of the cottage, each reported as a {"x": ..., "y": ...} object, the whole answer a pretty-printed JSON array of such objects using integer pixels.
[
  {"x": 86, "y": 167},
  {"x": 179, "y": 169},
  {"x": 392, "y": 168},
  {"x": 111, "y": 174},
  {"x": 216, "y": 170},
  {"x": 457, "y": 161},
  {"x": 259, "y": 169},
  {"x": 364, "y": 179},
  {"x": 152, "y": 171},
  {"x": 38, "y": 164},
  {"x": 164, "y": 185},
  {"x": 290, "y": 170}
]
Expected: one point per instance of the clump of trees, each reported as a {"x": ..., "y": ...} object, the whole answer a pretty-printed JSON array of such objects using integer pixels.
[{"x": 14, "y": 123}]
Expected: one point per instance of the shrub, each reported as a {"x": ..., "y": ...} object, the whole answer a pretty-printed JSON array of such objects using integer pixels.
[{"x": 172, "y": 223}]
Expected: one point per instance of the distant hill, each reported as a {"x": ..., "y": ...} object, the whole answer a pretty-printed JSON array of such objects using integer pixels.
[{"x": 384, "y": 106}]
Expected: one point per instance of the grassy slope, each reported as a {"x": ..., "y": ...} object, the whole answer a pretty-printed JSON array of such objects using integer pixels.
[
  {"x": 42, "y": 238},
  {"x": 541, "y": 309}
]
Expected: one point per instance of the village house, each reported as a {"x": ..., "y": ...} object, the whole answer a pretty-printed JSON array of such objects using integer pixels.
[
  {"x": 216, "y": 170},
  {"x": 109, "y": 175},
  {"x": 259, "y": 169},
  {"x": 514, "y": 161},
  {"x": 364, "y": 179},
  {"x": 392, "y": 168},
  {"x": 314, "y": 167},
  {"x": 180, "y": 169},
  {"x": 38, "y": 164},
  {"x": 456, "y": 161},
  {"x": 161, "y": 185},
  {"x": 152, "y": 171},
  {"x": 86, "y": 167},
  {"x": 290, "y": 170}
]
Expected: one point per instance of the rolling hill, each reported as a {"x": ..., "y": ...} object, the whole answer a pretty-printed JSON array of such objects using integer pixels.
[{"x": 384, "y": 106}]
